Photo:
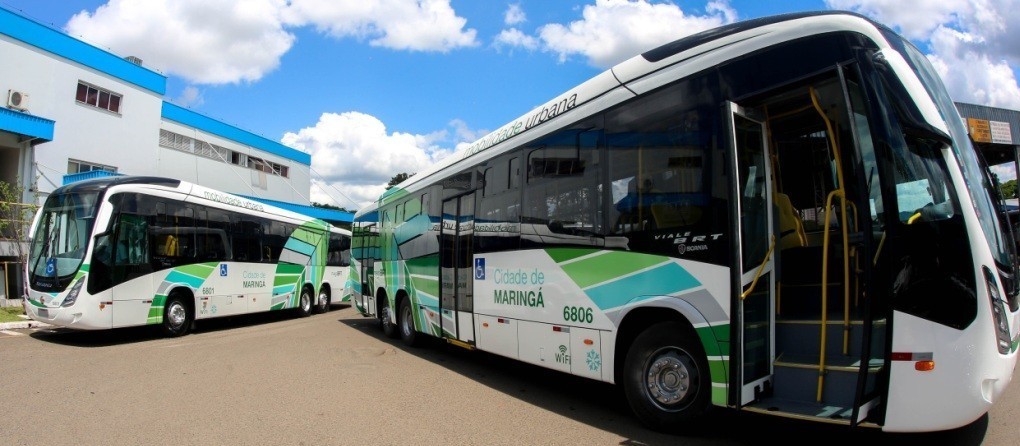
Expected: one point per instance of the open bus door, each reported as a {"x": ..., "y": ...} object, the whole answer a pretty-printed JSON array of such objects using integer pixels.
[
  {"x": 456, "y": 265},
  {"x": 756, "y": 294}
]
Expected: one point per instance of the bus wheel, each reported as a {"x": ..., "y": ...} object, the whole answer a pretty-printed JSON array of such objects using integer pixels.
[
  {"x": 666, "y": 378},
  {"x": 388, "y": 328},
  {"x": 176, "y": 316},
  {"x": 407, "y": 333},
  {"x": 323, "y": 302},
  {"x": 305, "y": 303}
]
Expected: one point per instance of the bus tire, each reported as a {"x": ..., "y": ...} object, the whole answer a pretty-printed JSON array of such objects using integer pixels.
[
  {"x": 388, "y": 327},
  {"x": 323, "y": 306},
  {"x": 406, "y": 321},
  {"x": 177, "y": 317},
  {"x": 666, "y": 378},
  {"x": 304, "y": 308}
]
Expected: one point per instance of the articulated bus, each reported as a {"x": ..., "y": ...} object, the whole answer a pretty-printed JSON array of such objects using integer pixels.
[
  {"x": 783, "y": 215},
  {"x": 130, "y": 251}
]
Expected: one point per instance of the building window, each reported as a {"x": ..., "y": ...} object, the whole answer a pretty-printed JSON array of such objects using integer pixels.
[
  {"x": 204, "y": 149},
  {"x": 76, "y": 166},
  {"x": 98, "y": 97}
]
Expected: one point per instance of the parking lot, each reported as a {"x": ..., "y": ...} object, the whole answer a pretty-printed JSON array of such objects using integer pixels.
[{"x": 334, "y": 379}]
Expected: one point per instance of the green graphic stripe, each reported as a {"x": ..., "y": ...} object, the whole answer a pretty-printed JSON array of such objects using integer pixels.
[
  {"x": 285, "y": 279},
  {"x": 289, "y": 268},
  {"x": 717, "y": 367},
  {"x": 715, "y": 339},
  {"x": 156, "y": 310},
  {"x": 605, "y": 267},
  {"x": 426, "y": 266},
  {"x": 719, "y": 396},
  {"x": 201, "y": 270},
  {"x": 427, "y": 286},
  {"x": 560, "y": 255}
]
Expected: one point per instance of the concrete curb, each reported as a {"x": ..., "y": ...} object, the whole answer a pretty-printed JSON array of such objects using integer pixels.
[{"x": 23, "y": 325}]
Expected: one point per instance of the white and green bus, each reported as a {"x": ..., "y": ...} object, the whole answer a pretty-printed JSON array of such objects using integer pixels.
[
  {"x": 783, "y": 215},
  {"x": 128, "y": 251}
]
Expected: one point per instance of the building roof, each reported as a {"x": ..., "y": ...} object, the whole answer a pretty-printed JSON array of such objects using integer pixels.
[
  {"x": 206, "y": 124},
  {"x": 59, "y": 43},
  {"x": 26, "y": 124}
]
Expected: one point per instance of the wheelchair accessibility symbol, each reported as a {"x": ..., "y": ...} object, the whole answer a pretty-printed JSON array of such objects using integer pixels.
[
  {"x": 480, "y": 268},
  {"x": 223, "y": 270}
]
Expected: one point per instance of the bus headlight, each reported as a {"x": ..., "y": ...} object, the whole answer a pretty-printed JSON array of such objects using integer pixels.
[
  {"x": 998, "y": 313},
  {"x": 72, "y": 296}
]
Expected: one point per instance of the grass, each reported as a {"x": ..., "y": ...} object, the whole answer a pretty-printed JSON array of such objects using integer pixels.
[{"x": 11, "y": 314}]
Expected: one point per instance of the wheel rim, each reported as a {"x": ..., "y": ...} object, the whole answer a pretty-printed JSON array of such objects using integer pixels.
[
  {"x": 323, "y": 301},
  {"x": 671, "y": 378},
  {"x": 177, "y": 314},
  {"x": 386, "y": 316},
  {"x": 406, "y": 323},
  {"x": 306, "y": 302}
]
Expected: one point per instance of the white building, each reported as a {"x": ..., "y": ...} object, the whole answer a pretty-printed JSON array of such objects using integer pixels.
[{"x": 73, "y": 111}]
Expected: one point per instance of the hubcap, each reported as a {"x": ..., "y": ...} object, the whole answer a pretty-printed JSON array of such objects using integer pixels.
[
  {"x": 177, "y": 314},
  {"x": 668, "y": 379},
  {"x": 323, "y": 301},
  {"x": 306, "y": 301},
  {"x": 406, "y": 322}
]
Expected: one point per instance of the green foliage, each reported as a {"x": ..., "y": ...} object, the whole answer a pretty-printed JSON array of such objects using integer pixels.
[
  {"x": 1008, "y": 189},
  {"x": 15, "y": 216},
  {"x": 398, "y": 178},
  {"x": 10, "y": 314},
  {"x": 330, "y": 206}
]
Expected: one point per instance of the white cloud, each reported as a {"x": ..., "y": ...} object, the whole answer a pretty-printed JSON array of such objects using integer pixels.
[
  {"x": 353, "y": 152},
  {"x": 514, "y": 15},
  {"x": 232, "y": 41},
  {"x": 611, "y": 31},
  {"x": 972, "y": 42},
  {"x": 190, "y": 97},
  {"x": 915, "y": 20},
  {"x": 972, "y": 76},
  {"x": 416, "y": 25},
  {"x": 513, "y": 37},
  {"x": 207, "y": 42}
]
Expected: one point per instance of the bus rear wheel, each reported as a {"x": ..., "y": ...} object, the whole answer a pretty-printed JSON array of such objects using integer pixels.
[
  {"x": 388, "y": 327},
  {"x": 305, "y": 303},
  {"x": 666, "y": 378},
  {"x": 407, "y": 332},
  {"x": 177, "y": 317},
  {"x": 323, "y": 306}
]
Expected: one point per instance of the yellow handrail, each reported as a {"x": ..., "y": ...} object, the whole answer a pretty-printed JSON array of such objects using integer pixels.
[
  {"x": 841, "y": 192},
  {"x": 760, "y": 268}
]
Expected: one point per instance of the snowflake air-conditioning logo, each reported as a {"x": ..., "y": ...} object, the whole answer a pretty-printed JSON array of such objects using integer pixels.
[{"x": 594, "y": 361}]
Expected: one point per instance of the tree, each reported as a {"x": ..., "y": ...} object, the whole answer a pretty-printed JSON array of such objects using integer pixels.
[
  {"x": 330, "y": 206},
  {"x": 15, "y": 218},
  {"x": 1008, "y": 189},
  {"x": 398, "y": 178}
]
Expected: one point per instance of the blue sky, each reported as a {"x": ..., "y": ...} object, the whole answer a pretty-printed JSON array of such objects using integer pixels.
[{"x": 373, "y": 88}]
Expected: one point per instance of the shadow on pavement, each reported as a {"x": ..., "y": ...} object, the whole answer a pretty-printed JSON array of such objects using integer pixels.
[
  {"x": 129, "y": 335},
  {"x": 603, "y": 405}
]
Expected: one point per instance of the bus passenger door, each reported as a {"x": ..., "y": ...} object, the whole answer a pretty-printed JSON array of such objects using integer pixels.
[
  {"x": 756, "y": 261},
  {"x": 456, "y": 264}
]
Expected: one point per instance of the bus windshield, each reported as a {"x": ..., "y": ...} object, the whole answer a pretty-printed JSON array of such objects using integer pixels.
[
  {"x": 980, "y": 189},
  {"x": 58, "y": 247}
]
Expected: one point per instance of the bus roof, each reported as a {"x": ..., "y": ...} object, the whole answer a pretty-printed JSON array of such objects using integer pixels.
[
  {"x": 619, "y": 76},
  {"x": 191, "y": 190}
]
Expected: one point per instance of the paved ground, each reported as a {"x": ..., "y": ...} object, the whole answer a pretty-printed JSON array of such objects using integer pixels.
[{"x": 333, "y": 379}]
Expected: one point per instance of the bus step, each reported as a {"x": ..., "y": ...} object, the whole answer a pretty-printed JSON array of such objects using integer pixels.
[
  {"x": 460, "y": 343},
  {"x": 805, "y": 411}
]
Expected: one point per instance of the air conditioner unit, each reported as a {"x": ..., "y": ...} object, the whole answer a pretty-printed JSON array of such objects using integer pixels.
[{"x": 17, "y": 100}]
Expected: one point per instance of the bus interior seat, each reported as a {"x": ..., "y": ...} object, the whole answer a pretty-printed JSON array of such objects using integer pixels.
[{"x": 791, "y": 228}]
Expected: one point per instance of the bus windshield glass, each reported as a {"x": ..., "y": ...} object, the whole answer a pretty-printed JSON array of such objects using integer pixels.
[
  {"x": 61, "y": 237},
  {"x": 980, "y": 190}
]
